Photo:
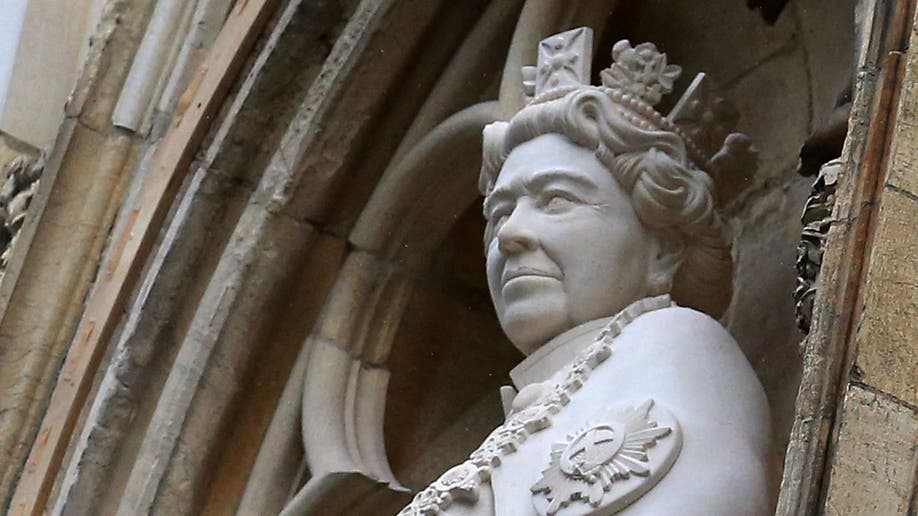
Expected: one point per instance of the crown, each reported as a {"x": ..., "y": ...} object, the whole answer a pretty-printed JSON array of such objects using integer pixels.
[{"x": 636, "y": 82}]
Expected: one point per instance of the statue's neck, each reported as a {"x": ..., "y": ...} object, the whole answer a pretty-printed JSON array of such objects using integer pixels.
[
  {"x": 563, "y": 349},
  {"x": 556, "y": 353}
]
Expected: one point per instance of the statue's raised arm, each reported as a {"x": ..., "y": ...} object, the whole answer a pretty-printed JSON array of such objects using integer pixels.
[{"x": 608, "y": 264}]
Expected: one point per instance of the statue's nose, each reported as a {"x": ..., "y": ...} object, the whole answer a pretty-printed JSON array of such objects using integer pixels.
[{"x": 515, "y": 235}]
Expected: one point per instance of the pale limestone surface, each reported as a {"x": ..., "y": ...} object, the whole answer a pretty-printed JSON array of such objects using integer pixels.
[
  {"x": 874, "y": 461},
  {"x": 46, "y": 68},
  {"x": 887, "y": 332},
  {"x": 874, "y": 472}
]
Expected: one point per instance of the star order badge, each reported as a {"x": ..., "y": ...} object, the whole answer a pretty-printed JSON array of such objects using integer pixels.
[{"x": 605, "y": 466}]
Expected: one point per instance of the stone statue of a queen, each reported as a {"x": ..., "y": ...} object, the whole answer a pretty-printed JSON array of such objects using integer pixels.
[{"x": 607, "y": 263}]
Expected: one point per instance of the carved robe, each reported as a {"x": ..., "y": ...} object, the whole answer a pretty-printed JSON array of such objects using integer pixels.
[{"x": 660, "y": 415}]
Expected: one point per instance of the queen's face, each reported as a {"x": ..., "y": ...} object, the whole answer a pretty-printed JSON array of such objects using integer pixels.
[{"x": 566, "y": 246}]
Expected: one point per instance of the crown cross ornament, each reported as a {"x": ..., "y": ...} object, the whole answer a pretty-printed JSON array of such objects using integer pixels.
[
  {"x": 564, "y": 61},
  {"x": 636, "y": 82}
]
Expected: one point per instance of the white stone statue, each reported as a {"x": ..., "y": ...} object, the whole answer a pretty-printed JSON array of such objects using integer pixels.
[{"x": 601, "y": 223}]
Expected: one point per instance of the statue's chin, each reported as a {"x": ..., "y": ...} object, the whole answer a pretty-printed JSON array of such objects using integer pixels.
[{"x": 530, "y": 325}]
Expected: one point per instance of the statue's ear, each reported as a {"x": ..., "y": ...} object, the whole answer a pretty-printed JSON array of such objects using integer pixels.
[{"x": 670, "y": 252}]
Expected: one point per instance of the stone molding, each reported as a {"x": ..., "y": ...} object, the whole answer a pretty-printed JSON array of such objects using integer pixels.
[{"x": 839, "y": 302}]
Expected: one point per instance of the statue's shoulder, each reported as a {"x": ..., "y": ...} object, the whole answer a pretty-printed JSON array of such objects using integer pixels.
[
  {"x": 689, "y": 364},
  {"x": 683, "y": 325},
  {"x": 685, "y": 337},
  {"x": 688, "y": 361}
]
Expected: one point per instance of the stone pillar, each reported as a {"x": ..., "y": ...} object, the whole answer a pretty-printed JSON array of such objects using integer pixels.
[{"x": 875, "y": 462}]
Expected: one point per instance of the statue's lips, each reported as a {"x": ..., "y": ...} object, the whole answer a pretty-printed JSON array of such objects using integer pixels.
[{"x": 525, "y": 272}]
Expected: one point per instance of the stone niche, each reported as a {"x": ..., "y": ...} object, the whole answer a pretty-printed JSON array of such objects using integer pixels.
[{"x": 449, "y": 357}]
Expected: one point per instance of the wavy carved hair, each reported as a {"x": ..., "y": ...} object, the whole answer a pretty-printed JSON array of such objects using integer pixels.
[{"x": 669, "y": 195}]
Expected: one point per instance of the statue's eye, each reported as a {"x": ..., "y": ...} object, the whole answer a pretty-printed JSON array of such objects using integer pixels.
[{"x": 556, "y": 202}]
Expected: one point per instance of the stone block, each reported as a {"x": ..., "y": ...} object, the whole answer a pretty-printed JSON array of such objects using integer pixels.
[
  {"x": 887, "y": 338},
  {"x": 30, "y": 337},
  {"x": 905, "y": 145},
  {"x": 875, "y": 462}
]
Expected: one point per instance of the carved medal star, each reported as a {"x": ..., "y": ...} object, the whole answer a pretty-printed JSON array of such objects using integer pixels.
[{"x": 586, "y": 465}]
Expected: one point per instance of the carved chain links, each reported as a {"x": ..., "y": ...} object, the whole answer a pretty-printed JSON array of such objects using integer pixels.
[{"x": 817, "y": 219}]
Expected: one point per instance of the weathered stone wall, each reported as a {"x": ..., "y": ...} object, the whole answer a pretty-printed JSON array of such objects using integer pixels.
[
  {"x": 47, "y": 55},
  {"x": 50, "y": 270},
  {"x": 874, "y": 462}
]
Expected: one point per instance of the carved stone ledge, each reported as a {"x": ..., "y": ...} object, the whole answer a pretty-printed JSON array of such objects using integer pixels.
[
  {"x": 817, "y": 219},
  {"x": 19, "y": 186}
]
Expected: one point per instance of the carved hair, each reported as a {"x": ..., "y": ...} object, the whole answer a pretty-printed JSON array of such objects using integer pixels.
[{"x": 669, "y": 194}]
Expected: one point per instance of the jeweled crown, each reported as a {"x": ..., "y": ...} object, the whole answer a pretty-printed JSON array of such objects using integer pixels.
[{"x": 636, "y": 81}]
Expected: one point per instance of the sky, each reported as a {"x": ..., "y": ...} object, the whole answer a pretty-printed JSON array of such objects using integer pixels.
[{"x": 12, "y": 14}]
